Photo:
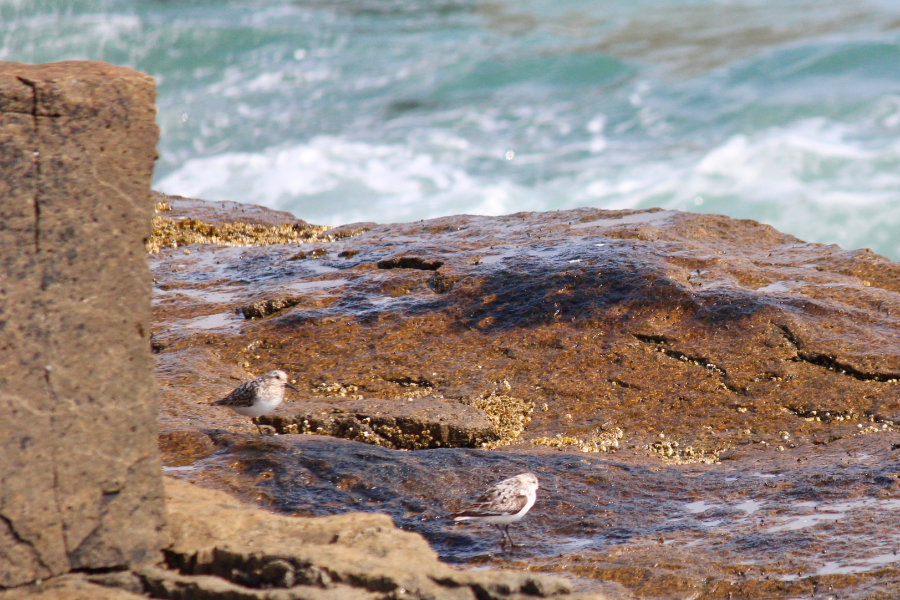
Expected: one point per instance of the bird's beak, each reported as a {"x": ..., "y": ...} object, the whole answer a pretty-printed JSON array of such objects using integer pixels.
[{"x": 293, "y": 387}]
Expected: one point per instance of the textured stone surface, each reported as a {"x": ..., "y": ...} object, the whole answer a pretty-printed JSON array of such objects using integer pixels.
[
  {"x": 699, "y": 327},
  {"x": 79, "y": 467},
  {"x": 739, "y": 388},
  {"x": 412, "y": 425},
  {"x": 223, "y": 548},
  {"x": 74, "y": 586},
  {"x": 220, "y": 213}
]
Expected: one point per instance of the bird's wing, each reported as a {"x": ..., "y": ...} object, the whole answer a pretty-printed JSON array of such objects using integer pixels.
[
  {"x": 496, "y": 501},
  {"x": 242, "y": 395}
]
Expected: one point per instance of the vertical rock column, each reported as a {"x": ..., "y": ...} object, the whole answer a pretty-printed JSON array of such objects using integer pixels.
[{"x": 80, "y": 484}]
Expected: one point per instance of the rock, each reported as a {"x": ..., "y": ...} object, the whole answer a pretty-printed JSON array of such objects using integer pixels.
[
  {"x": 172, "y": 227},
  {"x": 699, "y": 327},
  {"x": 409, "y": 262},
  {"x": 79, "y": 476},
  {"x": 657, "y": 529},
  {"x": 692, "y": 391},
  {"x": 269, "y": 306},
  {"x": 410, "y": 424},
  {"x": 223, "y": 548},
  {"x": 75, "y": 586},
  {"x": 220, "y": 213},
  {"x": 80, "y": 485},
  {"x": 180, "y": 448}
]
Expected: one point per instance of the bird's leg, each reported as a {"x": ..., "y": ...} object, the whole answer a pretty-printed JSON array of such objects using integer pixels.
[
  {"x": 502, "y": 537},
  {"x": 512, "y": 544},
  {"x": 258, "y": 428}
]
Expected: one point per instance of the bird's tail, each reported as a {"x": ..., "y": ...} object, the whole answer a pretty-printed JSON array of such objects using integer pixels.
[{"x": 460, "y": 516}]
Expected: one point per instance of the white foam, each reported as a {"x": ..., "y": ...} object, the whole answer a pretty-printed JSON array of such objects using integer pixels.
[
  {"x": 697, "y": 507},
  {"x": 812, "y": 157},
  {"x": 781, "y": 174},
  {"x": 265, "y": 82},
  {"x": 789, "y": 171},
  {"x": 834, "y": 511},
  {"x": 749, "y": 506},
  {"x": 217, "y": 321},
  {"x": 332, "y": 180}
]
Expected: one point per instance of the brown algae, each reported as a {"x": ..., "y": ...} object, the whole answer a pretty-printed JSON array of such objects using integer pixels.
[{"x": 172, "y": 233}]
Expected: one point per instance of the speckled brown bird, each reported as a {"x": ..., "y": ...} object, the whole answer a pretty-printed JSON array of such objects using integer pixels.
[
  {"x": 503, "y": 503},
  {"x": 259, "y": 396}
]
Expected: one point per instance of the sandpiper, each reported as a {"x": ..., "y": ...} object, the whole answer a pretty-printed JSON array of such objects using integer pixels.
[
  {"x": 259, "y": 396},
  {"x": 503, "y": 503}
]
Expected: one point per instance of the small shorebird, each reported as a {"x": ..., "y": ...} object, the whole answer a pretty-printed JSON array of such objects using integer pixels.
[
  {"x": 503, "y": 503},
  {"x": 257, "y": 397}
]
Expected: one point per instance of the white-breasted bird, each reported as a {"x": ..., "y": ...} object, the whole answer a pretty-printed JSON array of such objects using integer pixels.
[
  {"x": 503, "y": 503},
  {"x": 258, "y": 396}
]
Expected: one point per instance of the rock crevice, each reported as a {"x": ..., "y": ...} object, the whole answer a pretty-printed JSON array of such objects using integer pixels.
[
  {"x": 37, "y": 164},
  {"x": 833, "y": 364}
]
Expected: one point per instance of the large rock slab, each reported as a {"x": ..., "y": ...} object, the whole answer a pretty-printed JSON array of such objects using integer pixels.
[
  {"x": 79, "y": 476},
  {"x": 770, "y": 524},
  {"x": 694, "y": 391},
  {"x": 684, "y": 330}
]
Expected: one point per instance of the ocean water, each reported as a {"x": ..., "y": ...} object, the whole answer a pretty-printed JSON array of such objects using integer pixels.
[{"x": 388, "y": 110}]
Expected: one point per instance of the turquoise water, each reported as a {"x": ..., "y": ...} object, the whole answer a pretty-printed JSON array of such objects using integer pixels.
[{"x": 385, "y": 110}]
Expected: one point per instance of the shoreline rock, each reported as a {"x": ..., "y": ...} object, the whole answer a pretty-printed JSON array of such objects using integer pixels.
[
  {"x": 747, "y": 383},
  {"x": 656, "y": 363},
  {"x": 80, "y": 480},
  {"x": 223, "y": 548},
  {"x": 640, "y": 314}
]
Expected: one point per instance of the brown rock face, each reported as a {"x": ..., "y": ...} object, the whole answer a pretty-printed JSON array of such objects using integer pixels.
[
  {"x": 712, "y": 331},
  {"x": 74, "y": 586},
  {"x": 711, "y": 406},
  {"x": 79, "y": 475}
]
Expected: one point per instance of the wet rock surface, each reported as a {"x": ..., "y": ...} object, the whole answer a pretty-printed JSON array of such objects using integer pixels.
[
  {"x": 223, "y": 545},
  {"x": 816, "y": 519},
  {"x": 223, "y": 548},
  {"x": 694, "y": 391},
  {"x": 179, "y": 208}
]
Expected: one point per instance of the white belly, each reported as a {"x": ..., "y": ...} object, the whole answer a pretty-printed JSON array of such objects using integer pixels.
[{"x": 257, "y": 410}]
